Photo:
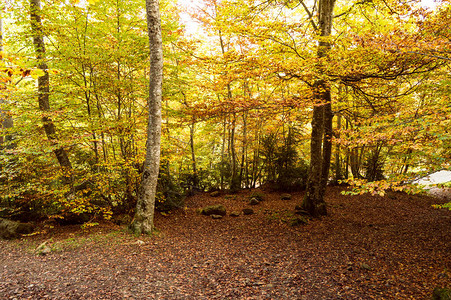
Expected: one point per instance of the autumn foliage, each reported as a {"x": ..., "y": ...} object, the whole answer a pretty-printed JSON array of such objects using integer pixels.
[{"x": 238, "y": 99}]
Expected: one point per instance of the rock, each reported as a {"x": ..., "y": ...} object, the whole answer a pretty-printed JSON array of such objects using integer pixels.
[
  {"x": 12, "y": 229},
  {"x": 234, "y": 214},
  {"x": 257, "y": 195},
  {"x": 296, "y": 221},
  {"x": 43, "y": 249},
  {"x": 216, "y": 217},
  {"x": 248, "y": 211},
  {"x": 441, "y": 294},
  {"x": 285, "y": 197},
  {"x": 139, "y": 243},
  {"x": 214, "y": 194},
  {"x": 214, "y": 210},
  {"x": 254, "y": 201}
]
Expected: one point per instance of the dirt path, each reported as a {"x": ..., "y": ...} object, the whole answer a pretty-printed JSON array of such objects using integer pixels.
[{"x": 396, "y": 247}]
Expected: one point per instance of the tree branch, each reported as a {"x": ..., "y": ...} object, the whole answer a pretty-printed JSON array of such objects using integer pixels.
[{"x": 310, "y": 15}]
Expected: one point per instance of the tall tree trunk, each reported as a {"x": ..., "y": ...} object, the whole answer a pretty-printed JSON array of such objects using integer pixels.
[
  {"x": 235, "y": 183},
  {"x": 43, "y": 86},
  {"x": 320, "y": 144},
  {"x": 338, "y": 173},
  {"x": 6, "y": 120},
  {"x": 223, "y": 152},
  {"x": 244, "y": 164},
  {"x": 145, "y": 207}
]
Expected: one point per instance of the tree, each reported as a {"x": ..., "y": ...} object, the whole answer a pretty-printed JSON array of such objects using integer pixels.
[
  {"x": 43, "y": 85},
  {"x": 143, "y": 220},
  {"x": 321, "y": 138}
]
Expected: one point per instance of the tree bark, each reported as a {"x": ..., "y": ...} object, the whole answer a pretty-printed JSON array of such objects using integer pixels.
[
  {"x": 320, "y": 144},
  {"x": 43, "y": 86},
  {"x": 145, "y": 207}
]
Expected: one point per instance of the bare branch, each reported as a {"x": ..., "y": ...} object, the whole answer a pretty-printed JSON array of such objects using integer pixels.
[{"x": 310, "y": 15}]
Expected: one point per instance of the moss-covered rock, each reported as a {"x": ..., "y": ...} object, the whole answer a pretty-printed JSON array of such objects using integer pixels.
[
  {"x": 12, "y": 229},
  {"x": 218, "y": 209},
  {"x": 257, "y": 195}
]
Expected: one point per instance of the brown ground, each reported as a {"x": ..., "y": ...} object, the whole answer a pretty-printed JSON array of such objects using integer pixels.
[{"x": 396, "y": 247}]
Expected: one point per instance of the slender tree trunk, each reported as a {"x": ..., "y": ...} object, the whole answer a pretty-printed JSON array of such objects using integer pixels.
[
  {"x": 338, "y": 173},
  {"x": 348, "y": 155},
  {"x": 145, "y": 207},
  {"x": 234, "y": 180},
  {"x": 193, "y": 154},
  {"x": 321, "y": 143},
  {"x": 43, "y": 85},
  {"x": 6, "y": 119},
  {"x": 244, "y": 152},
  {"x": 223, "y": 152}
]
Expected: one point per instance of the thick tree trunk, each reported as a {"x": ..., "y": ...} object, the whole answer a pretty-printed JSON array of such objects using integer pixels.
[
  {"x": 320, "y": 153},
  {"x": 321, "y": 144},
  {"x": 43, "y": 85},
  {"x": 145, "y": 207}
]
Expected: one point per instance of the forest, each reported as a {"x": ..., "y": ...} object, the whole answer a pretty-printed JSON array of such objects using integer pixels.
[
  {"x": 321, "y": 113},
  {"x": 257, "y": 95}
]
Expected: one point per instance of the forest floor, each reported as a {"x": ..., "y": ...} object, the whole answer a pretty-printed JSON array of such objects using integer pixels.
[{"x": 368, "y": 247}]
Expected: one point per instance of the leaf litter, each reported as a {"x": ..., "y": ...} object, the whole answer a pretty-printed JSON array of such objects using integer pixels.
[{"x": 368, "y": 247}]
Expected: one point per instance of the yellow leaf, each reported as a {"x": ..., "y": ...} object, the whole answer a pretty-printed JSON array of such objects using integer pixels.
[{"x": 36, "y": 73}]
